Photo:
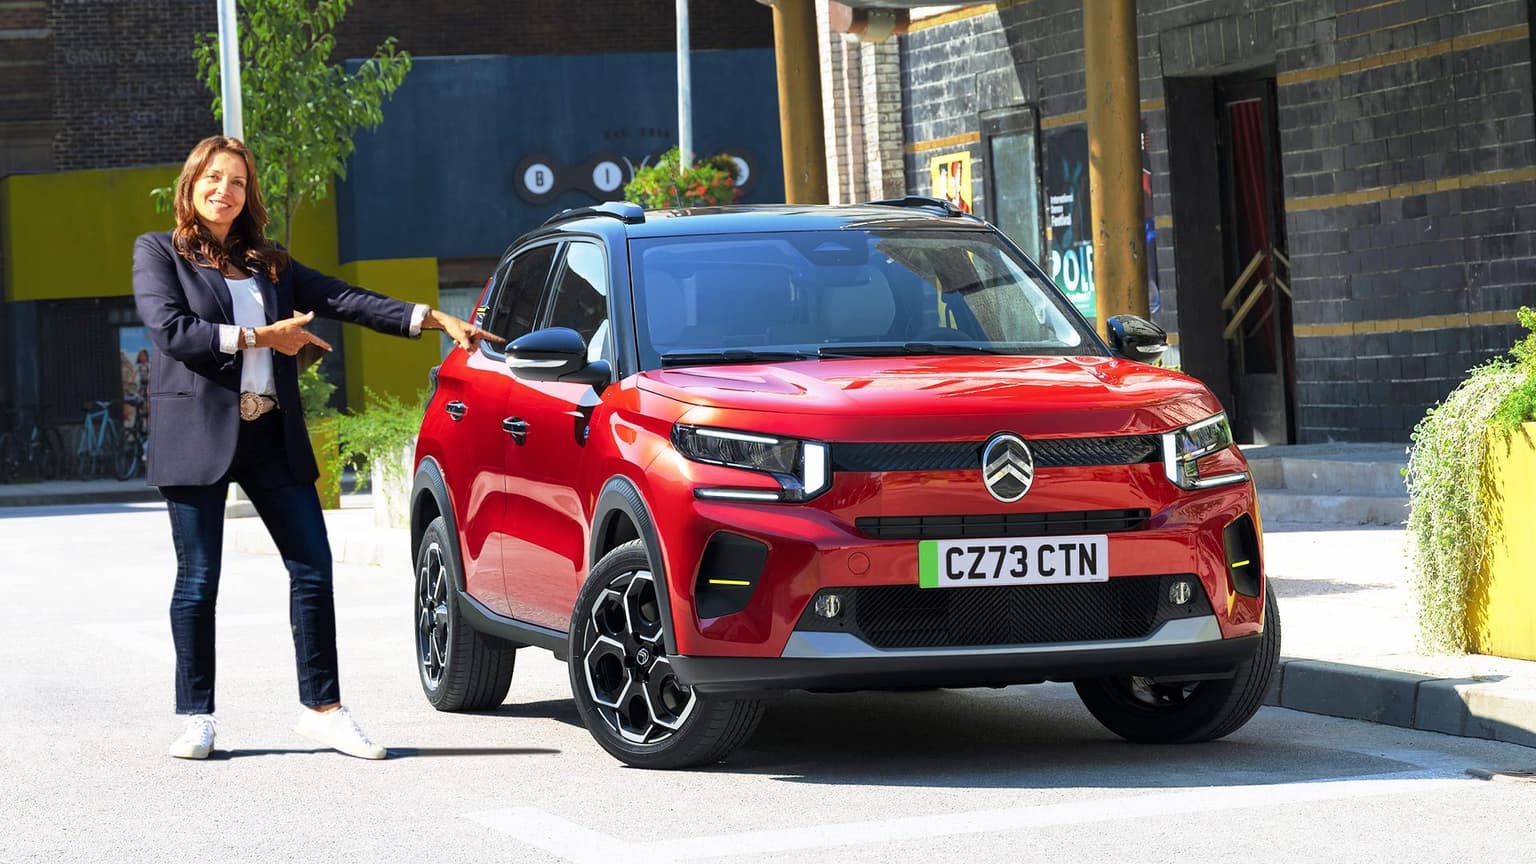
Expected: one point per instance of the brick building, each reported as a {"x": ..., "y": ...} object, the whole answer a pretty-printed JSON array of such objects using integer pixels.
[
  {"x": 102, "y": 102},
  {"x": 1377, "y": 158}
]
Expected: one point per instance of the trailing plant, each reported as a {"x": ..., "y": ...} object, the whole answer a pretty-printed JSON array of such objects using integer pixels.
[
  {"x": 385, "y": 426},
  {"x": 707, "y": 182},
  {"x": 315, "y": 393},
  {"x": 1449, "y": 518}
]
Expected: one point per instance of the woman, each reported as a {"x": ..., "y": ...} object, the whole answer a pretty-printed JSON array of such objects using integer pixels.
[{"x": 219, "y": 302}]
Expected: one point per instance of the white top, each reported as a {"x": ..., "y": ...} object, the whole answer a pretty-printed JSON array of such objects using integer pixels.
[{"x": 250, "y": 311}]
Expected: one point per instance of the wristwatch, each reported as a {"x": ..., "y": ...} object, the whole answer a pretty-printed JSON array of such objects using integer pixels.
[{"x": 248, "y": 334}]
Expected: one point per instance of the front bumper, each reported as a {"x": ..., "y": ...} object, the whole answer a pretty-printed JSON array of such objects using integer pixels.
[{"x": 1186, "y": 648}]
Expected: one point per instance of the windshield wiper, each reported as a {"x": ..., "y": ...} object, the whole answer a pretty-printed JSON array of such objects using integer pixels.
[
  {"x": 729, "y": 355},
  {"x": 887, "y": 349}
]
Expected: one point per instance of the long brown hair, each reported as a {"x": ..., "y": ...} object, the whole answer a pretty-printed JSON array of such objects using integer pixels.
[{"x": 247, "y": 242}]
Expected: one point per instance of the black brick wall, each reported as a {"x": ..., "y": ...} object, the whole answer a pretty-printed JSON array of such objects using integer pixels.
[{"x": 1459, "y": 113}]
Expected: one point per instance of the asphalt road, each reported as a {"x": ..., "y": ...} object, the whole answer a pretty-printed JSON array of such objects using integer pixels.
[{"x": 1022, "y": 774}]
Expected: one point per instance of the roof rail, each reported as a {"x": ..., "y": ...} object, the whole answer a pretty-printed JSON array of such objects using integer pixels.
[
  {"x": 945, "y": 207},
  {"x": 628, "y": 211}
]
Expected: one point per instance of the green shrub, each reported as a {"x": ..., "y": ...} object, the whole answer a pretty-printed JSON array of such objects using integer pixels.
[
  {"x": 384, "y": 426},
  {"x": 1448, "y": 516},
  {"x": 708, "y": 182}
]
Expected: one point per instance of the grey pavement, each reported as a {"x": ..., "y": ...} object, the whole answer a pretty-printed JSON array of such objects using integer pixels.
[{"x": 1347, "y": 614}]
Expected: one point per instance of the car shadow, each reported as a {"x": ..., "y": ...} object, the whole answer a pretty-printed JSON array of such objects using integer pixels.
[
  {"x": 562, "y": 710},
  {"x": 1005, "y": 739},
  {"x": 1287, "y": 588}
]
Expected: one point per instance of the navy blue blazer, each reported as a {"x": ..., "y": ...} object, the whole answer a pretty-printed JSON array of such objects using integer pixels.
[{"x": 194, "y": 388}]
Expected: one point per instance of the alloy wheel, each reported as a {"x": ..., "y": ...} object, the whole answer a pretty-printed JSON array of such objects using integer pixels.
[
  {"x": 432, "y": 615},
  {"x": 624, "y": 663}
]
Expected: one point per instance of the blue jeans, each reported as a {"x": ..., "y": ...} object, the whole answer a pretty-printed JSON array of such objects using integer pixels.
[{"x": 290, "y": 509}]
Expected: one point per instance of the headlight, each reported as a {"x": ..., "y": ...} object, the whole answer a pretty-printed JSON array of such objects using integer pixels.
[
  {"x": 801, "y": 467},
  {"x": 1183, "y": 449}
]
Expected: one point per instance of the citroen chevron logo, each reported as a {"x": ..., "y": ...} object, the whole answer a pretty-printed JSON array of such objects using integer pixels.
[{"x": 1007, "y": 467}]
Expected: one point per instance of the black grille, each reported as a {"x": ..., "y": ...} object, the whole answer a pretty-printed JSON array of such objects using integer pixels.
[
  {"x": 962, "y": 455},
  {"x": 1000, "y": 524},
  {"x": 906, "y": 616}
]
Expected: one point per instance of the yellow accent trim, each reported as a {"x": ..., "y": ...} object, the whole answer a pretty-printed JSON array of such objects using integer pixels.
[
  {"x": 1163, "y": 222},
  {"x": 951, "y": 17},
  {"x": 1147, "y": 105},
  {"x": 1403, "y": 190},
  {"x": 1243, "y": 563},
  {"x": 1418, "y": 52},
  {"x": 1383, "y": 3},
  {"x": 728, "y": 582},
  {"x": 1406, "y": 325},
  {"x": 944, "y": 143}
]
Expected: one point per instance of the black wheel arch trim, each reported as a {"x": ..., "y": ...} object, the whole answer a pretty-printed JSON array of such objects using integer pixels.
[
  {"x": 429, "y": 481},
  {"x": 619, "y": 496}
]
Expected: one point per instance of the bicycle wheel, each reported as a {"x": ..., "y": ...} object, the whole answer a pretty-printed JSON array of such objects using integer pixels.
[
  {"x": 12, "y": 458},
  {"x": 129, "y": 455}
]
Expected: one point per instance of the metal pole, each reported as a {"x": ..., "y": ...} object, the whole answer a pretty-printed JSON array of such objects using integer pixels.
[
  {"x": 684, "y": 90},
  {"x": 800, "y": 124},
  {"x": 1114, "y": 158},
  {"x": 229, "y": 70}
]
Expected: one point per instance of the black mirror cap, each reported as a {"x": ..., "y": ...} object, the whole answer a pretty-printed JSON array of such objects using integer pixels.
[
  {"x": 1136, "y": 338},
  {"x": 555, "y": 354}
]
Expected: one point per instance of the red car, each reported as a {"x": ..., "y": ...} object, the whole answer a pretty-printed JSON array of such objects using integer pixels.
[{"x": 729, "y": 452}]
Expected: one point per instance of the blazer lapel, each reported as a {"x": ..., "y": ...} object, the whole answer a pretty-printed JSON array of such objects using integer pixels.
[
  {"x": 215, "y": 282},
  {"x": 268, "y": 295}
]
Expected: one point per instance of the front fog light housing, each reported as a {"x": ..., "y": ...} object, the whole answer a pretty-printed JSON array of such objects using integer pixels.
[
  {"x": 802, "y": 468},
  {"x": 1184, "y": 448}
]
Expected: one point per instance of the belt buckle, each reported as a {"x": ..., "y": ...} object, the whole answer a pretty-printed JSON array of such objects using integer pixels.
[{"x": 251, "y": 406}]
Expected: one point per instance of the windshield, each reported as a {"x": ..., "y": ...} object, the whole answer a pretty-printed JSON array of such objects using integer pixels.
[{"x": 846, "y": 293}]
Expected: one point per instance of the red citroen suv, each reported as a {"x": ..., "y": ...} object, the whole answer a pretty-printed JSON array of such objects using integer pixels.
[{"x": 735, "y": 451}]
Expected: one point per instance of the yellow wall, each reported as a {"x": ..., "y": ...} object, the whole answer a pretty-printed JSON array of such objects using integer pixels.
[
  {"x": 70, "y": 235},
  {"x": 1504, "y": 607},
  {"x": 383, "y": 363}
]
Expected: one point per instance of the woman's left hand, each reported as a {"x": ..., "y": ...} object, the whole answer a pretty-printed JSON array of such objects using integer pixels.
[{"x": 463, "y": 333}]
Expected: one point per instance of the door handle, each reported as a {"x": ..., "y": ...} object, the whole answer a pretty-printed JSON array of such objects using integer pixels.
[
  {"x": 517, "y": 427},
  {"x": 456, "y": 409}
]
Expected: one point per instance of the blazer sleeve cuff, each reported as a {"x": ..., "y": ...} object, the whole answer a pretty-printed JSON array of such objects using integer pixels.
[{"x": 229, "y": 338}]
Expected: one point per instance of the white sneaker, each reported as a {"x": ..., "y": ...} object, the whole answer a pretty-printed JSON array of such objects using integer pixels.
[
  {"x": 197, "y": 741},
  {"x": 338, "y": 731}
]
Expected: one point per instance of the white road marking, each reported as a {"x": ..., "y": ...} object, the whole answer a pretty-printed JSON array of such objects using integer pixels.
[{"x": 581, "y": 845}]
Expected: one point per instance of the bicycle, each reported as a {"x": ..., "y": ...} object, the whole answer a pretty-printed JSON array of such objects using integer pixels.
[
  {"x": 30, "y": 450},
  {"x": 133, "y": 452},
  {"x": 101, "y": 440}
]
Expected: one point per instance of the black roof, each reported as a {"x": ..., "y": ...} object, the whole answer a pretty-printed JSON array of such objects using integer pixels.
[{"x": 749, "y": 218}]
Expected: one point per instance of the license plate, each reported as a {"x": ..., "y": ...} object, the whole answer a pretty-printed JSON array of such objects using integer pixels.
[{"x": 976, "y": 562}]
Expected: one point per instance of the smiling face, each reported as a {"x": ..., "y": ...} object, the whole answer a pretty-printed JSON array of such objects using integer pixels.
[{"x": 219, "y": 193}]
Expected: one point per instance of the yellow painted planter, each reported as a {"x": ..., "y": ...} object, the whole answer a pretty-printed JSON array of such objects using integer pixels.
[
  {"x": 1502, "y": 609},
  {"x": 327, "y": 447}
]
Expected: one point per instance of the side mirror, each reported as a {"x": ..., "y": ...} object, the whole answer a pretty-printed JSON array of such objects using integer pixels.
[
  {"x": 1136, "y": 338},
  {"x": 555, "y": 354}
]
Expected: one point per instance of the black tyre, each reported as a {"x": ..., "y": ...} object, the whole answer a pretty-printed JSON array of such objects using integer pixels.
[
  {"x": 1149, "y": 712},
  {"x": 625, "y": 689},
  {"x": 460, "y": 669},
  {"x": 129, "y": 456}
]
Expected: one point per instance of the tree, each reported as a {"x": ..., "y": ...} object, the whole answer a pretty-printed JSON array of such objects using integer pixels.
[{"x": 300, "y": 111}]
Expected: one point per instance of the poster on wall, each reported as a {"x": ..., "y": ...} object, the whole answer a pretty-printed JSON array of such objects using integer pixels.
[
  {"x": 1068, "y": 231},
  {"x": 133, "y": 360},
  {"x": 952, "y": 179},
  {"x": 1069, "y": 218}
]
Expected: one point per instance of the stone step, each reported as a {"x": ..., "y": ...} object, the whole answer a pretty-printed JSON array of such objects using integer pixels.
[
  {"x": 1332, "y": 476},
  {"x": 1282, "y": 506}
]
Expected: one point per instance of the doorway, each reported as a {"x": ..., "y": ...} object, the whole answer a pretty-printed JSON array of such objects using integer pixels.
[{"x": 1230, "y": 252}]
